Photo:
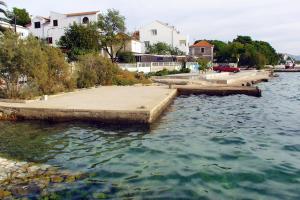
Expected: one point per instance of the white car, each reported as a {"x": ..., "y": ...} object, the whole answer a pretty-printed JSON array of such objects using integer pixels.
[{"x": 289, "y": 65}]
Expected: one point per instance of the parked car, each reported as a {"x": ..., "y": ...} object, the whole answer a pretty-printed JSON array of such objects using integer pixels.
[
  {"x": 226, "y": 68},
  {"x": 290, "y": 65}
]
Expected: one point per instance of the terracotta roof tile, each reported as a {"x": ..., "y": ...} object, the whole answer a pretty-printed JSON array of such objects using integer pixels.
[{"x": 202, "y": 44}]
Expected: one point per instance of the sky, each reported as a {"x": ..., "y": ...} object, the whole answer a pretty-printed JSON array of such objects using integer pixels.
[{"x": 274, "y": 21}]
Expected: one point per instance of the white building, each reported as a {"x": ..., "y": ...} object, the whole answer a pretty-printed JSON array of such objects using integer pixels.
[
  {"x": 133, "y": 46},
  {"x": 161, "y": 32},
  {"x": 22, "y": 31},
  {"x": 52, "y": 28}
]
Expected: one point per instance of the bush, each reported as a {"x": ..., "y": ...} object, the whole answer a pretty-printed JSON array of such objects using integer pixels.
[
  {"x": 59, "y": 77},
  {"x": 29, "y": 68},
  {"x": 203, "y": 64},
  {"x": 42, "y": 68},
  {"x": 124, "y": 77},
  {"x": 166, "y": 72},
  {"x": 95, "y": 70},
  {"x": 126, "y": 57}
]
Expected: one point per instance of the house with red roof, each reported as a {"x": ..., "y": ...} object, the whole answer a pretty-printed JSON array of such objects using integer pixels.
[{"x": 202, "y": 49}]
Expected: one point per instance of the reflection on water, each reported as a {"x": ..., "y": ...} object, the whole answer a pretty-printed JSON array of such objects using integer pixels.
[{"x": 235, "y": 147}]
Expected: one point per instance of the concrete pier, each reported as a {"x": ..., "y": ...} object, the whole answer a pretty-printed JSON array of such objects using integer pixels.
[
  {"x": 243, "y": 78},
  {"x": 287, "y": 70},
  {"x": 218, "y": 90},
  {"x": 104, "y": 104}
]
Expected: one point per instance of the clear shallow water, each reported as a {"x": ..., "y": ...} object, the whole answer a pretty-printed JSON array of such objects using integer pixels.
[{"x": 234, "y": 147}]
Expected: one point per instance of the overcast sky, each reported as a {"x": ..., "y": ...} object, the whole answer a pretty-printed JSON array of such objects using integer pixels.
[{"x": 275, "y": 21}]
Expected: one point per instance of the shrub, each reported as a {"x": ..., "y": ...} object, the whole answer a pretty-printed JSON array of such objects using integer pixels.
[
  {"x": 166, "y": 72},
  {"x": 203, "y": 64},
  {"x": 19, "y": 59},
  {"x": 42, "y": 68},
  {"x": 185, "y": 70},
  {"x": 126, "y": 57},
  {"x": 124, "y": 77},
  {"x": 95, "y": 70}
]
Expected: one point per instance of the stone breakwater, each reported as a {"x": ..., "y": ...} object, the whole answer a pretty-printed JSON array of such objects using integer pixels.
[{"x": 24, "y": 179}]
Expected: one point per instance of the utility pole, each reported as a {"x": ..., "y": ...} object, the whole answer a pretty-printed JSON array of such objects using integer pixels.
[{"x": 15, "y": 20}]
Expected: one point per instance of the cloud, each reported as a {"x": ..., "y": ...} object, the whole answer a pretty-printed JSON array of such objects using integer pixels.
[{"x": 275, "y": 21}]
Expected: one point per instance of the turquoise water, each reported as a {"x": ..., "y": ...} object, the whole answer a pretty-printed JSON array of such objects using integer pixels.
[{"x": 235, "y": 147}]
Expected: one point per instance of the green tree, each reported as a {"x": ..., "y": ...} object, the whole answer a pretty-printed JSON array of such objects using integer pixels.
[
  {"x": 246, "y": 52},
  {"x": 22, "y": 16},
  {"x": 221, "y": 51},
  {"x": 203, "y": 64},
  {"x": 159, "y": 48},
  {"x": 80, "y": 39},
  {"x": 176, "y": 51},
  {"x": 243, "y": 39},
  {"x": 3, "y": 9},
  {"x": 162, "y": 48},
  {"x": 235, "y": 49},
  {"x": 113, "y": 37}
]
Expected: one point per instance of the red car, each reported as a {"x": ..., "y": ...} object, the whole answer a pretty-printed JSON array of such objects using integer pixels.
[{"x": 226, "y": 69}]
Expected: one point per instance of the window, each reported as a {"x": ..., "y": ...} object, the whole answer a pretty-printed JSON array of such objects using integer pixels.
[
  {"x": 182, "y": 42},
  {"x": 37, "y": 24},
  {"x": 202, "y": 50},
  {"x": 85, "y": 20},
  {"x": 147, "y": 44},
  {"x": 154, "y": 31},
  {"x": 55, "y": 22},
  {"x": 49, "y": 40}
]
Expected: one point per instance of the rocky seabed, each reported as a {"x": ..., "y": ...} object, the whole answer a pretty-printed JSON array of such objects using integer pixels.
[{"x": 24, "y": 179}]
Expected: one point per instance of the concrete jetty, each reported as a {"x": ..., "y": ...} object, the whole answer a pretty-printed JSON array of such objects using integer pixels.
[
  {"x": 244, "y": 78},
  {"x": 217, "y": 90},
  {"x": 287, "y": 70},
  {"x": 141, "y": 104}
]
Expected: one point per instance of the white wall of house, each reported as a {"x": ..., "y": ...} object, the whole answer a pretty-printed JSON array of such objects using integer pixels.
[
  {"x": 54, "y": 27},
  {"x": 161, "y": 32},
  {"x": 22, "y": 31},
  {"x": 133, "y": 46}
]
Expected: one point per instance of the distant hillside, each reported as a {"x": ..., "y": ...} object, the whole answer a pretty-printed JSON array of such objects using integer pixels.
[{"x": 297, "y": 57}]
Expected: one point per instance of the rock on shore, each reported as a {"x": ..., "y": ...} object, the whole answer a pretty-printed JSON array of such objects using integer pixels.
[{"x": 22, "y": 179}]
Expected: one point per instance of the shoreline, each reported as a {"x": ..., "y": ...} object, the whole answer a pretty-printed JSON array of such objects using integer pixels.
[{"x": 130, "y": 104}]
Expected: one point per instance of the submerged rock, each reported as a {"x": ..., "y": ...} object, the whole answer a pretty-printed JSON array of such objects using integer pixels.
[
  {"x": 4, "y": 194},
  {"x": 22, "y": 179},
  {"x": 57, "y": 179}
]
